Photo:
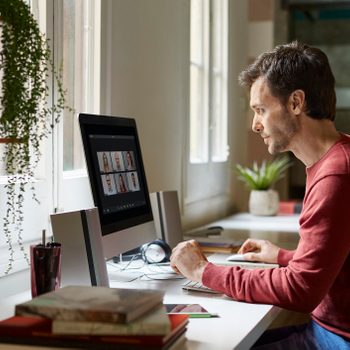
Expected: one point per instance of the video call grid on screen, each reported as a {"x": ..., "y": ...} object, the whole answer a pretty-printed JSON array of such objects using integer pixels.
[{"x": 118, "y": 172}]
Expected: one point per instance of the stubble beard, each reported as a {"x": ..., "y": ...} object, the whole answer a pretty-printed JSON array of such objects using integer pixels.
[{"x": 281, "y": 137}]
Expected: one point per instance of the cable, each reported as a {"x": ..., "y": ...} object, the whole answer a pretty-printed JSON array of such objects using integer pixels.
[
  {"x": 157, "y": 271},
  {"x": 127, "y": 266},
  {"x": 161, "y": 269}
]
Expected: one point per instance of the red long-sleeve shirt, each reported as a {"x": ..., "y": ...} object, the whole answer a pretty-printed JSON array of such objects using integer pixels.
[{"x": 316, "y": 276}]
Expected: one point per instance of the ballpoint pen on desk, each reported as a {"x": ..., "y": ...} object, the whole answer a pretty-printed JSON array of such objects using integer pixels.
[{"x": 202, "y": 315}]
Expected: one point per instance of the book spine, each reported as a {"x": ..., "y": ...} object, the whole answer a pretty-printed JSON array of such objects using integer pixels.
[
  {"x": 229, "y": 250},
  {"x": 99, "y": 328},
  {"x": 35, "y": 331},
  {"x": 101, "y": 343},
  {"x": 290, "y": 207},
  {"x": 69, "y": 315}
]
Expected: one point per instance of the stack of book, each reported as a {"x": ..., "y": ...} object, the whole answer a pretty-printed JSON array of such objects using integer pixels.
[
  {"x": 220, "y": 247},
  {"x": 95, "y": 318}
]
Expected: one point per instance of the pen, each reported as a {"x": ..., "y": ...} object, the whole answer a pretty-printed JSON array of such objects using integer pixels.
[{"x": 202, "y": 315}]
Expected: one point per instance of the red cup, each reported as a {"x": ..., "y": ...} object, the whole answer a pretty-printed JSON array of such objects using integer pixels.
[{"x": 45, "y": 268}]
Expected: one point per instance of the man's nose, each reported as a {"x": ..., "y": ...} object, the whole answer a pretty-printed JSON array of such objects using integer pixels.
[{"x": 256, "y": 125}]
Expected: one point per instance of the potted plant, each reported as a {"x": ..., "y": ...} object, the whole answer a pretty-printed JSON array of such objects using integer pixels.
[
  {"x": 26, "y": 116},
  {"x": 263, "y": 200}
]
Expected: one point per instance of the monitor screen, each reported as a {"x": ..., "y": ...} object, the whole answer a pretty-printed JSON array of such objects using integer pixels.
[{"x": 117, "y": 178}]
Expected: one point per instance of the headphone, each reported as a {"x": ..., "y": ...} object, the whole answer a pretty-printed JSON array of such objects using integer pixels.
[{"x": 155, "y": 252}]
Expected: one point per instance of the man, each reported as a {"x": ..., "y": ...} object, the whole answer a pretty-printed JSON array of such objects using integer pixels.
[
  {"x": 119, "y": 166},
  {"x": 293, "y": 99},
  {"x": 134, "y": 182},
  {"x": 110, "y": 185}
]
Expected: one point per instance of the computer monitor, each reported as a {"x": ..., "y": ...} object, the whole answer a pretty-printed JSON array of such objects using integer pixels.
[{"x": 118, "y": 182}]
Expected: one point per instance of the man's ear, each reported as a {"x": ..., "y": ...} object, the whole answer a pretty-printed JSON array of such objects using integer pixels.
[{"x": 296, "y": 102}]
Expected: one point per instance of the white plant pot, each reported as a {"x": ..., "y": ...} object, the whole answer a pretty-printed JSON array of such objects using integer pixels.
[{"x": 263, "y": 203}]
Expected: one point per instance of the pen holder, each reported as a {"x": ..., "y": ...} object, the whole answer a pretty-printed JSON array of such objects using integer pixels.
[{"x": 45, "y": 268}]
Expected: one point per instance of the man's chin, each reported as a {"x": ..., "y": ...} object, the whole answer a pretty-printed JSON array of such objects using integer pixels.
[{"x": 273, "y": 150}]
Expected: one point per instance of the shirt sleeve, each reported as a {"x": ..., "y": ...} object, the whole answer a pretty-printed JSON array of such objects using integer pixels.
[
  {"x": 284, "y": 256},
  {"x": 322, "y": 250}
]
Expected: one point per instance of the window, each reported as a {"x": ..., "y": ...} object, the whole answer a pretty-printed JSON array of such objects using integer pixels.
[
  {"x": 208, "y": 81},
  {"x": 78, "y": 45},
  {"x": 80, "y": 53},
  {"x": 207, "y": 165},
  {"x": 73, "y": 28},
  {"x": 36, "y": 216}
]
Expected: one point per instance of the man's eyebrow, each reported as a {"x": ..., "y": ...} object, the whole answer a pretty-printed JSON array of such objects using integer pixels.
[{"x": 257, "y": 105}]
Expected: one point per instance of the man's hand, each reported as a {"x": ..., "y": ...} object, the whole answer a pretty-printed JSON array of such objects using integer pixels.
[
  {"x": 259, "y": 250},
  {"x": 188, "y": 260}
]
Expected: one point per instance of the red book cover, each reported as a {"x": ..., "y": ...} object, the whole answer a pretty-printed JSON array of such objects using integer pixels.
[
  {"x": 290, "y": 207},
  {"x": 23, "y": 326},
  {"x": 37, "y": 331}
]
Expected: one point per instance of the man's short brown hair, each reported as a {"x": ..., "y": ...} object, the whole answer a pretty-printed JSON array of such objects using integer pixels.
[{"x": 296, "y": 66}]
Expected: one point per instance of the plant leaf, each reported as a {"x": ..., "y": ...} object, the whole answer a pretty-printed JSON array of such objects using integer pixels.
[{"x": 263, "y": 177}]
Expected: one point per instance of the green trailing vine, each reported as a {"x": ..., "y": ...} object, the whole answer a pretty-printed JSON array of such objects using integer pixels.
[{"x": 26, "y": 115}]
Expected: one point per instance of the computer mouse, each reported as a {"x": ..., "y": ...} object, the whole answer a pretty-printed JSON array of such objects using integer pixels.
[{"x": 236, "y": 257}]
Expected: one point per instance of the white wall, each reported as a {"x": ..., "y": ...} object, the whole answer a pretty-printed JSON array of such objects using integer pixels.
[
  {"x": 238, "y": 99},
  {"x": 149, "y": 46},
  {"x": 146, "y": 56}
]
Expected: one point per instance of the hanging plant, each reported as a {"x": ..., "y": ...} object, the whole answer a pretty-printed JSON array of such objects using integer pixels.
[{"x": 26, "y": 116}]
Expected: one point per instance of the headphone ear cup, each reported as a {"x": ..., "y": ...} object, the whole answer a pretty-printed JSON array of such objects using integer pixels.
[
  {"x": 143, "y": 251},
  {"x": 156, "y": 251}
]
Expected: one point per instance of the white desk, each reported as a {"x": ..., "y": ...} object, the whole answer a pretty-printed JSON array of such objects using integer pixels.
[
  {"x": 238, "y": 327},
  {"x": 281, "y": 229},
  {"x": 246, "y": 221},
  {"x": 240, "y": 324}
]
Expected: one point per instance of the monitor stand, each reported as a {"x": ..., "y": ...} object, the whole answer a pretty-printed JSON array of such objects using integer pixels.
[{"x": 83, "y": 261}]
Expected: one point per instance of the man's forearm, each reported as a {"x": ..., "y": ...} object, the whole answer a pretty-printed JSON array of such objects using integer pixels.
[{"x": 284, "y": 256}]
